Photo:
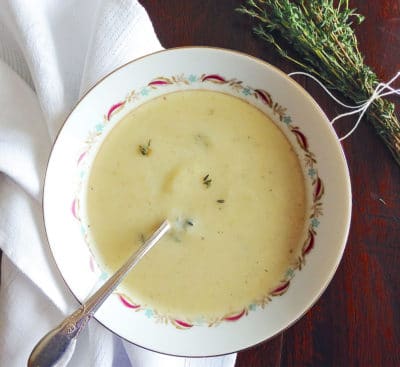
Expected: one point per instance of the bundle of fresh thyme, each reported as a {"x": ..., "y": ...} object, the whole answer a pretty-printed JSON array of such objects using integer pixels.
[{"x": 324, "y": 44}]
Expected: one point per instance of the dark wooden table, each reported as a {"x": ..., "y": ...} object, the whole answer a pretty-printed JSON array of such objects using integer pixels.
[{"x": 357, "y": 320}]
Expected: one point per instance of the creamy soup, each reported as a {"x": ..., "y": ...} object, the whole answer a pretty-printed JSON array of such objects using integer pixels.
[{"x": 229, "y": 182}]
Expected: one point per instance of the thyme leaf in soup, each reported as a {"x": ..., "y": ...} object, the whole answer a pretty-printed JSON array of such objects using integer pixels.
[
  {"x": 203, "y": 140},
  {"x": 145, "y": 149},
  {"x": 220, "y": 201},
  {"x": 207, "y": 180}
]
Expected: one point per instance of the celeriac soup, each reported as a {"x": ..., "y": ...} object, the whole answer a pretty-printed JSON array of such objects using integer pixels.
[{"x": 229, "y": 182}]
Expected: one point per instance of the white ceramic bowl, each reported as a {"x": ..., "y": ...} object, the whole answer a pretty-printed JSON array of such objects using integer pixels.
[{"x": 297, "y": 115}]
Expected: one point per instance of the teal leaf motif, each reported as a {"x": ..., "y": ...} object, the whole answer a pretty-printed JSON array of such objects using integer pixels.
[
  {"x": 149, "y": 313},
  {"x": 312, "y": 172},
  {"x": 287, "y": 120},
  {"x": 99, "y": 128},
  {"x": 192, "y": 78},
  {"x": 315, "y": 222},
  {"x": 199, "y": 321},
  {"x": 289, "y": 273}
]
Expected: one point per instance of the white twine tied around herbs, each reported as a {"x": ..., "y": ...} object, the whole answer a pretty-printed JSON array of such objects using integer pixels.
[{"x": 381, "y": 90}]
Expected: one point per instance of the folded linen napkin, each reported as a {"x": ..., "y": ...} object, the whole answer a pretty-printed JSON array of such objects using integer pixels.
[{"x": 57, "y": 50}]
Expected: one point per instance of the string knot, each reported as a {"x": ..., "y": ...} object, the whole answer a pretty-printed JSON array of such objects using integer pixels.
[{"x": 381, "y": 90}]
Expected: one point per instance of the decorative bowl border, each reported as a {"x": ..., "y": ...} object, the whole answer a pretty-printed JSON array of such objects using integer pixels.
[{"x": 245, "y": 92}]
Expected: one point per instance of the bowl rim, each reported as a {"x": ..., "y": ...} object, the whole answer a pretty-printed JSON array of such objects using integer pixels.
[{"x": 305, "y": 94}]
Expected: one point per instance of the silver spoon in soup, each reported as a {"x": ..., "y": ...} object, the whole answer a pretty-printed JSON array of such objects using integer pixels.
[{"x": 57, "y": 347}]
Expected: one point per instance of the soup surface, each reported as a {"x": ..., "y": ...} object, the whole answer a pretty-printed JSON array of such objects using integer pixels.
[{"x": 229, "y": 182}]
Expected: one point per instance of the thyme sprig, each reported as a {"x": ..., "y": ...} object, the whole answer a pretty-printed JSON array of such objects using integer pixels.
[{"x": 323, "y": 43}]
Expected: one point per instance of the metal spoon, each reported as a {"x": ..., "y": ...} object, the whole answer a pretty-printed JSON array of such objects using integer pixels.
[{"x": 56, "y": 348}]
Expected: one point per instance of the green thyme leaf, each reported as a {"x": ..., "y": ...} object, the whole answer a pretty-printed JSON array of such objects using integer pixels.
[
  {"x": 207, "y": 180},
  {"x": 145, "y": 149}
]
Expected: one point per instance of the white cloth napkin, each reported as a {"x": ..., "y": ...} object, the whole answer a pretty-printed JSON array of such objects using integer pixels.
[{"x": 57, "y": 50}]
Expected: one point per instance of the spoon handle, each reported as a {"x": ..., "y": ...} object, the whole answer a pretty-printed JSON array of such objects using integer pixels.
[{"x": 56, "y": 348}]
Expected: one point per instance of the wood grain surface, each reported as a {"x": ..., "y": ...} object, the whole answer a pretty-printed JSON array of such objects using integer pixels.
[{"x": 357, "y": 321}]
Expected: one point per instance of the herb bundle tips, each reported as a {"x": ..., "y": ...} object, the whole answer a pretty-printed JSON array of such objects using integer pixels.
[{"x": 323, "y": 43}]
